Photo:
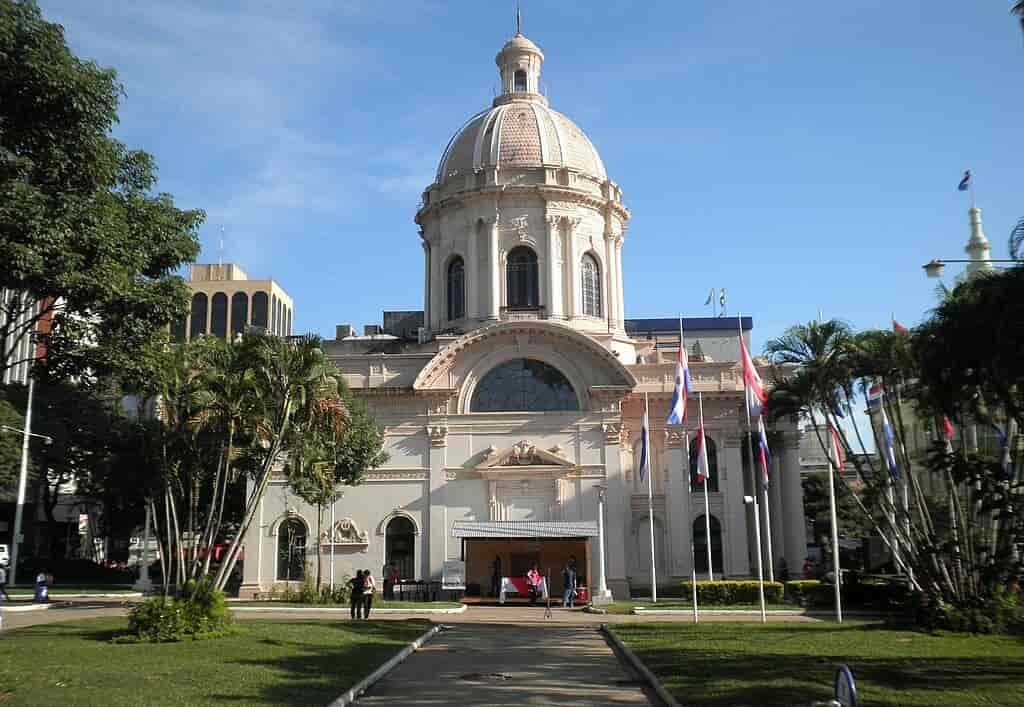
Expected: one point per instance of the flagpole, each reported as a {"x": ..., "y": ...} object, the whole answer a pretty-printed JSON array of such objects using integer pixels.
[
  {"x": 835, "y": 538},
  {"x": 768, "y": 528},
  {"x": 693, "y": 581},
  {"x": 757, "y": 513},
  {"x": 707, "y": 505},
  {"x": 650, "y": 502}
]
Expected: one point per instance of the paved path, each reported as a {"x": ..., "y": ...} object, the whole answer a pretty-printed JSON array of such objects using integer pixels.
[{"x": 510, "y": 664}]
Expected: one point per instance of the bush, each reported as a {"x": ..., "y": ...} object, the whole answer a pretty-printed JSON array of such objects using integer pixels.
[
  {"x": 732, "y": 591},
  {"x": 1000, "y": 613},
  {"x": 200, "y": 613},
  {"x": 808, "y": 592},
  {"x": 307, "y": 593}
]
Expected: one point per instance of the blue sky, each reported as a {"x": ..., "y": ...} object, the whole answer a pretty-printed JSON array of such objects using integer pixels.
[{"x": 803, "y": 155}]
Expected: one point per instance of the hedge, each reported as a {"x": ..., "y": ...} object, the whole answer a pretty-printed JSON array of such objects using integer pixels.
[
  {"x": 808, "y": 592},
  {"x": 732, "y": 591}
]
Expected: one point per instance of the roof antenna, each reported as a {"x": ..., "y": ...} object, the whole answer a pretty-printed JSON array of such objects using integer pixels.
[
  {"x": 220, "y": 249},
  {"x": 519, "y": 21}
]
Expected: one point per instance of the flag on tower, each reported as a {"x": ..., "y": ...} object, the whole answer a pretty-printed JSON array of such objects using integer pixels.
[
  {"x": 645, "y": 446},
  {"x": 677, "y": 411},
  {"x": 711, "y": 296},
  {"x": 898, "y": 328},
  {"x": 756, "y": 394},
  {"x": 965, "y": 183},
  {"x": 702, "y": 450},
  {"x": 763, "y": 451}
]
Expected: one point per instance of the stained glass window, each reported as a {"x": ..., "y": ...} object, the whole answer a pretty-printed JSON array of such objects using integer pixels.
[{"x": 524, "y": 385}]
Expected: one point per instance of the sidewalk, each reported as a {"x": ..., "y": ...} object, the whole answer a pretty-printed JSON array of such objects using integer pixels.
[{"x": 510, "y": 664}]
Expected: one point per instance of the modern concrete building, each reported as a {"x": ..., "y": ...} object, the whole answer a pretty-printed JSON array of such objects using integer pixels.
[
  {"x": 225, "y": 300},
  {"x": 517, "y": 403}
]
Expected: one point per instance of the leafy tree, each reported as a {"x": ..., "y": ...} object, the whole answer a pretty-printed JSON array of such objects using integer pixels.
[
  {"x": 86, "y": 244},
  {"x": 10, "y": 442},
  {"x": 1018, "y": 10}
]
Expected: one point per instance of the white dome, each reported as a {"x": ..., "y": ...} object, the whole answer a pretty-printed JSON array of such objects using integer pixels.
[{"x": 520, "y": 134}]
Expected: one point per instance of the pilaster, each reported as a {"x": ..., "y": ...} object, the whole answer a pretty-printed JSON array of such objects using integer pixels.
[
  {"x": 736, "y": 548},
  {"x": 779, "y": 521},
  {"x": 571, "y": 273},
  {"x": 618, "y": 278},
  {"x": 494, "y": 269},
  {"x": 554, "y": 280},
  {"x": 618, "y": 512},
  {"x": 472, "y": 273},
  {"x": 437, "y": 434},
  {"x": 609, "y": 283},
  {"x": 426, "y": 282},
  {"x": 677, "y": 502}
]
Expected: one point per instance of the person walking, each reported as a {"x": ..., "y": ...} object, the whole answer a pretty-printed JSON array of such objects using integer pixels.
[
  {"x": 533, "y": 580},
  {"x": 3, "y": 583},
  {"x": 369, "y": 587},
  {"x": 569, "y": 584},
  {"x": 356, "y": 599}
]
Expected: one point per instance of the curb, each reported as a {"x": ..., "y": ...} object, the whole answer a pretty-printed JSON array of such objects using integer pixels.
[
  {"x": 30, "y": 607},
  {"x": 341, "y": 610},
  {"x": 85, "y": 595},
  {"x": 639, "y": 611},
  {"x": 664, "y": 695},
  {"x": 363, "y": 685}
]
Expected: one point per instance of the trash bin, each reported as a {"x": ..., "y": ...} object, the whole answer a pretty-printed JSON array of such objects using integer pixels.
[{"x": 583, "y": 595}]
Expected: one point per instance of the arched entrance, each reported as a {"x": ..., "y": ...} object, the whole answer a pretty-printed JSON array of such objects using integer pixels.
[
  {"x": 399, "y": 546},
  {"x": 291, "y": 550}
]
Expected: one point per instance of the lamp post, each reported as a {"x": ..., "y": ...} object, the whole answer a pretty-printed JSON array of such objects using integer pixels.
[
  {"x": 934, "y": 267},
  {"x": 603, "y": 595}
]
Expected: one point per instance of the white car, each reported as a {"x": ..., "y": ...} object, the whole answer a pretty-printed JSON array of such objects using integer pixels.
[{"x": 5, "y": 557}]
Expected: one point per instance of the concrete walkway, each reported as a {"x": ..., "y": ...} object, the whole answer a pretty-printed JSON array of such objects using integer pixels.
[{"x": 511, "y": 664}]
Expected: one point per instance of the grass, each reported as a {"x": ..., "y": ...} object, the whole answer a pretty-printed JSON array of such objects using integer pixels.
[
  {"x": 271, "y": 603},
  {"x": 626, "y": 607},
  {"x": 714, "y": 665},
  {"x": 261, "y": 663}
]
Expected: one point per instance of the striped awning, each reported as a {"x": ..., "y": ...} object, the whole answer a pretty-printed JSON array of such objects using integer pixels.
[{"x": 523, "y": 529}]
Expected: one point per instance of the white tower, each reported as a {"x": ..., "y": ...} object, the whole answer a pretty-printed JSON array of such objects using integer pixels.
[
  {"x": 977, "y": 248},
  {"x": 522, "y": 221}
]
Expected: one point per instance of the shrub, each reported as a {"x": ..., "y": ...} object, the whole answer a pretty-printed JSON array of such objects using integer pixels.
[
  {"x": 307, "y": 593},
  {"x": 808, "y": 592},
  {"x": 732, "y": 591},
  {"x": 1001, "y": 612},
  {"x": 200, "y": 613}
]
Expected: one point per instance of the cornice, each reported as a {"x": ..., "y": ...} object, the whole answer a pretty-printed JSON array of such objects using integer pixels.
[{"x": 548, "y": 192}]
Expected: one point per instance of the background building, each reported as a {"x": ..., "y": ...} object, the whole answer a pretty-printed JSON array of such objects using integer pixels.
[{"x": 225, "y": 300}]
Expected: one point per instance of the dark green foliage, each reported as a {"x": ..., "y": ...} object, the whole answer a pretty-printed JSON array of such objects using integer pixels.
[
  {"x": 732, "y": 591},
  {"x": 808, "y": 592},
  {"x": 80, "y": 228},
  {"x": 1003, "y": 612},
  {"x": 200, "y": 613}
]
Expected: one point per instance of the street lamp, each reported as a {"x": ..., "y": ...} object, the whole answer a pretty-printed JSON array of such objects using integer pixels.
[
  {"x": 603, "y": 596},
  {"x": 935, "y": 266}
]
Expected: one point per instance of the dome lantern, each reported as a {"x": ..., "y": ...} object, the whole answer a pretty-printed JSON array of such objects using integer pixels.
[{"x": 519, "y": 63}]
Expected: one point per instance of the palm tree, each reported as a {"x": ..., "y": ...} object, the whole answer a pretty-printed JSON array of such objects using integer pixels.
[{"x": 1018, "y": 10}]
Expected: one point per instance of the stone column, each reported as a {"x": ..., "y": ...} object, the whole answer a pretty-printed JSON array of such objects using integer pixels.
[
  {"x": 677, "y": 505},
  {"x": 779, "y": 520},
  {"x": 571, "y": 271},
  {"x": 618, "y": 512},
  {"x": 618, "y": 279},
  {"x": 426, "y": 285},
  {"x": 472, "y": 272},
  {"x": 494, "y": 266},
  {"x": 736, "y": 550},
  {"x": 608, "y": 284},
  {"x": 433, "y": 536},
  {"x": 793, "y": 501},
  {"x": 554, "y": 281},
  {"x": 438, "y": 311}
]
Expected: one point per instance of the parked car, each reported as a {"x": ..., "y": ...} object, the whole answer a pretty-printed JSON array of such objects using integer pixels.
[{"x": 5, "y": 556}]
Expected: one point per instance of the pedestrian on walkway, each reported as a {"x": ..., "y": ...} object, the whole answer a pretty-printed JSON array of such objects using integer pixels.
[
  {"x": 356, "y": 599},
  {"x": 496, "y": 576},
  {"x": 43, "y": 580},
  {"x": 533, "y": 580},
  {"x": 369, "y": 587},
  {"x": 3, "y": 583},
  {"x": 569, "y": 583}
]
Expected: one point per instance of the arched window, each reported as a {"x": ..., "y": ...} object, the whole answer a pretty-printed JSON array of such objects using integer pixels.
[
  {"x": 198, "y": 327},
  {"x": 519, "y": 80},
  {"x": 522, "y": 283},
  {"x": 260, "y": 303},
  {"x": 695, "y": 485},
  {"x": 239, "y": 313},
  {"x": 291, "y": 550},
  {"x": 524, "y": 385},
  {"x": 219, "y": 315},
  {"x": 456, "y": 289},
  {"x": 700, "y": 544},
  {"x": 275, "y": 313},
  {"x": 400, "y": 546},
  {"x": 288, "y": 323},
  {"x": 591, "y": 273}
]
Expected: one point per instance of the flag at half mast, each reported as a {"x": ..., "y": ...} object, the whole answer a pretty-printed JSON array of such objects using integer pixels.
[
  {"x": 763, "y": 452},
  {"x": 702, "y": 450},
  {"x": 756, "y": 394},
  {"x": 677, "y": 410},
  {"x": 645, "y": 446}
]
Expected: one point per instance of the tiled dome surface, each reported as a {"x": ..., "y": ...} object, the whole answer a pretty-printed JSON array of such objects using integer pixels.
[{"x": 520, "y": 134}]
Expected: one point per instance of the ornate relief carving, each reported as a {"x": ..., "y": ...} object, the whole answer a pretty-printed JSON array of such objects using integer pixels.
[
  {"x": 612, "y": 432},
  {"x": 399, "y": 475},
  {"x": 524, "y": 454},
  {"x": 346, "y": 532},
  {"x": 558, "y": 450},
  {"x": 438, "y": 435},
  {"x": 673, "y": 437},
  {"x": 451, "y": 475},
  {"x": 490, "y": 453}
]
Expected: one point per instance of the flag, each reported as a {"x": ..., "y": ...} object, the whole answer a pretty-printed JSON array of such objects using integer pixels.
[
  {"x": 947, "y": 434},
  {"x": 763, "y": 451},
  {"x": 721, "y": 300},
  {"x": 874, "y": 394},
  {"x": 835, "y": 454},
  {"x": 645, "y": 446},
  {"x": 965, "y": 183},
  {"x": 677, "y": 411},
  {"x": 711, "y": 296},
  {"x": 1005, "y": 439},
  {"x": 833, "y": 405},
  {"x": 702, "y": 451},
  {"x": 898, "y": 328},
  {"x": 756, "y": 395},
  {"x": 889, "y": 442}
]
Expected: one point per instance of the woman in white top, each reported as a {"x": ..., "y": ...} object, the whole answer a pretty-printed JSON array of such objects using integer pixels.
[{"x": 369, "y": 587}]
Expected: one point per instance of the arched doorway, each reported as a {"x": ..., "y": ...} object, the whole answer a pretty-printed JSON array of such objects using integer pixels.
[
  {"x": 399, "y": 546},
  {"x": 700, "y": 544},
  {"x": 291, "y": 550}
]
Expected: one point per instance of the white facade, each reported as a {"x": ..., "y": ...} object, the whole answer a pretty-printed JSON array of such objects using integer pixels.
[{"x": 525, "y": 396}]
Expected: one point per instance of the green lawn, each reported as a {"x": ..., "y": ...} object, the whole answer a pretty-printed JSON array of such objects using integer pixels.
[
  {"x": 271, "y": 603},
  {"x": 262, "y": 663},
  {"x": 626, "y": 607},
  {"x": 719, "y": 664}
]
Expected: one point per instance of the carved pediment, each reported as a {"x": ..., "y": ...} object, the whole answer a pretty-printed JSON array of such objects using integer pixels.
[
  {"x": 523, "y": 453},
  {"x": 346, "y": 532}
]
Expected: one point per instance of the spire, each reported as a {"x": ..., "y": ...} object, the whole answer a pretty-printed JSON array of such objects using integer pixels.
[
  {"x": 519, "y": 21},
  {"x": 978, "y": 248}
]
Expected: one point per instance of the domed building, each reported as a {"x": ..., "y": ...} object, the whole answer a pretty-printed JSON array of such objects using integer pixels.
[{"x": 511, "y": 405}]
